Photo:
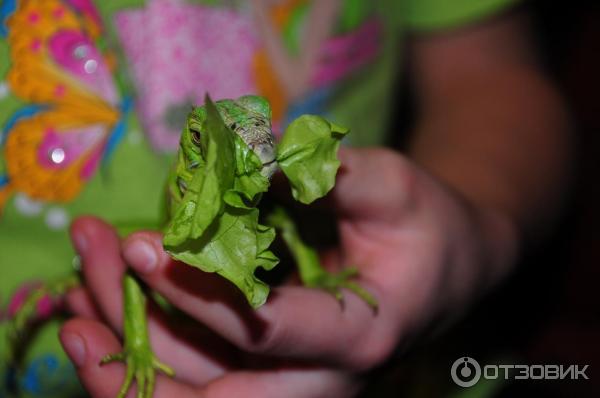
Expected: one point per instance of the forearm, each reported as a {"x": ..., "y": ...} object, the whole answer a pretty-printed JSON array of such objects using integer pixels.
[
  {"x": 503, "y": 144},
  {"x": 494, "y": 130}
]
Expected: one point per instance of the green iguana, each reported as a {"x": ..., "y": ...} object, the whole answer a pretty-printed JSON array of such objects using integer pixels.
[{"x": 226, "y": 157}]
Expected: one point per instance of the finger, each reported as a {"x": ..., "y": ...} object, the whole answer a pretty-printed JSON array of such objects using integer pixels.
[
  {"x": 103, "y": 268},
  {"x": 289, "y": 383},
  {"x": 87, "y": 342},
  {"x": 347, "y": 334},
  {"x": 366, "y": 181},
  {"x": 80, "y": 303},
  {"x": 331, "y": 259},
  {"x": 280, "y": 326},
  {"x": 196, "y": 354}
]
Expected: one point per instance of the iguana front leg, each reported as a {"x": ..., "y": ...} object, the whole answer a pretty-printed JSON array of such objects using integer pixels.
[
  {"x": 137, "y": 353},
  {"x": 312, "y": 274}
]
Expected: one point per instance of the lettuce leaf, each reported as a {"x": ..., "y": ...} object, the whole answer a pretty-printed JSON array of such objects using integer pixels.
[
  {"x": 203, "y": 200},
  {"x": 307, "y": 155},
  {"x": 215, "y": 226},
  {"x": 233, "y": 246}
]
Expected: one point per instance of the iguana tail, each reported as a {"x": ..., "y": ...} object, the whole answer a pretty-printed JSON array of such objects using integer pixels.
[{"x": 39, "y": 303}]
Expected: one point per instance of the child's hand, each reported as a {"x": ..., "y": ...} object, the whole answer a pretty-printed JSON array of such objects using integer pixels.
[{"x": 422, "y": 252}]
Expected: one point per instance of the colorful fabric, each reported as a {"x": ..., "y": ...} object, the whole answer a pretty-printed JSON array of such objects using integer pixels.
[{"x": 92, "y": 98}]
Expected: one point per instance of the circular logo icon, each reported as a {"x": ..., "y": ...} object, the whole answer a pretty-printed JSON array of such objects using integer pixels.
[{"x": 465, "y": 372}]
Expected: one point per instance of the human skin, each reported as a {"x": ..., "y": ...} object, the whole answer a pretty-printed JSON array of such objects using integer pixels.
[{"x": 430, "y": 231}]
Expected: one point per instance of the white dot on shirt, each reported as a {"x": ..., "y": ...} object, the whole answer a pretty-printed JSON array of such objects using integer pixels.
[
  {"x": 90, "y": 66},
  {"x": 27, "y": 206},
  {"x": 57, "y": 218},
  {"x": 4, "y": 90}
]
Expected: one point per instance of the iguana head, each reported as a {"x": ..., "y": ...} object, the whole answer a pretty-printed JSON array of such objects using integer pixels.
[{"x": 248, "y": 116}]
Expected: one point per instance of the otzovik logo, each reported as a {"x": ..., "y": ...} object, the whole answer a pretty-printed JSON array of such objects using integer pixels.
[{"x": 465, "y": 372}]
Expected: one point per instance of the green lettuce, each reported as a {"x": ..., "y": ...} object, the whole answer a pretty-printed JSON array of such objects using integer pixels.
[
  {"x": 233, "y": 246},
  {"x": 203, "y": 200},
  {"x": 307, "y": 155},
  {"x": 215, "y": 225}
]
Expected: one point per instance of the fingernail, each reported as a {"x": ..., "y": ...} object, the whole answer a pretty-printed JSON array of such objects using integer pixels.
[
  {"x": 141, "y": 256},
  {"x": 75, "y": 347},
  {"x": 80, "y": 242}
]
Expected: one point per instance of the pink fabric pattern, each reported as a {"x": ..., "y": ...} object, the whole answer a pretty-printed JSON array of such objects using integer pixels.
[
  {"x": 75, "y": 143},
  {"x": 87, "y": 7},
  {"x": 341, "y": 56},
  {"x": 77, "y": 55},
  {"x": 178, "y": 52}
]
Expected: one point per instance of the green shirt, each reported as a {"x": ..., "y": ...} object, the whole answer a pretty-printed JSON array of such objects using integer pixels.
[{"x": 72, "y": 145}]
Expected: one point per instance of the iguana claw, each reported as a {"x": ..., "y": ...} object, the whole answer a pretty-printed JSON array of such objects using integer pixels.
[
  {"x": 310, "y": 269},
  {"x": 334, "y": 283},
  {"x": 141, "y": 365},
  {"x": 137, "y": 352}
]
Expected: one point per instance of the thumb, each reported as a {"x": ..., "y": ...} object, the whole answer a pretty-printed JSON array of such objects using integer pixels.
[
  {"x": 376, "y": 184},
  {"x": 87, "y": 342}
]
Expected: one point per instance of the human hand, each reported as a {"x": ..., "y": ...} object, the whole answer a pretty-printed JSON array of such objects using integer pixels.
[
  {"x": 422, "y": 252},
  {"x": 205, "y": 364}
]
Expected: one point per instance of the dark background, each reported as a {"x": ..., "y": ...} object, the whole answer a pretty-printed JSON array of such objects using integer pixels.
[{"x": 549, "y": 311}]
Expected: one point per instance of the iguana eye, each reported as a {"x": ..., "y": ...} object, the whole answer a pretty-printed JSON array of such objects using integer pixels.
[
  {"x": 195, "y": 136},
  {"x": 233, "y": 126},
  {"x": 182, "y": 185}
]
